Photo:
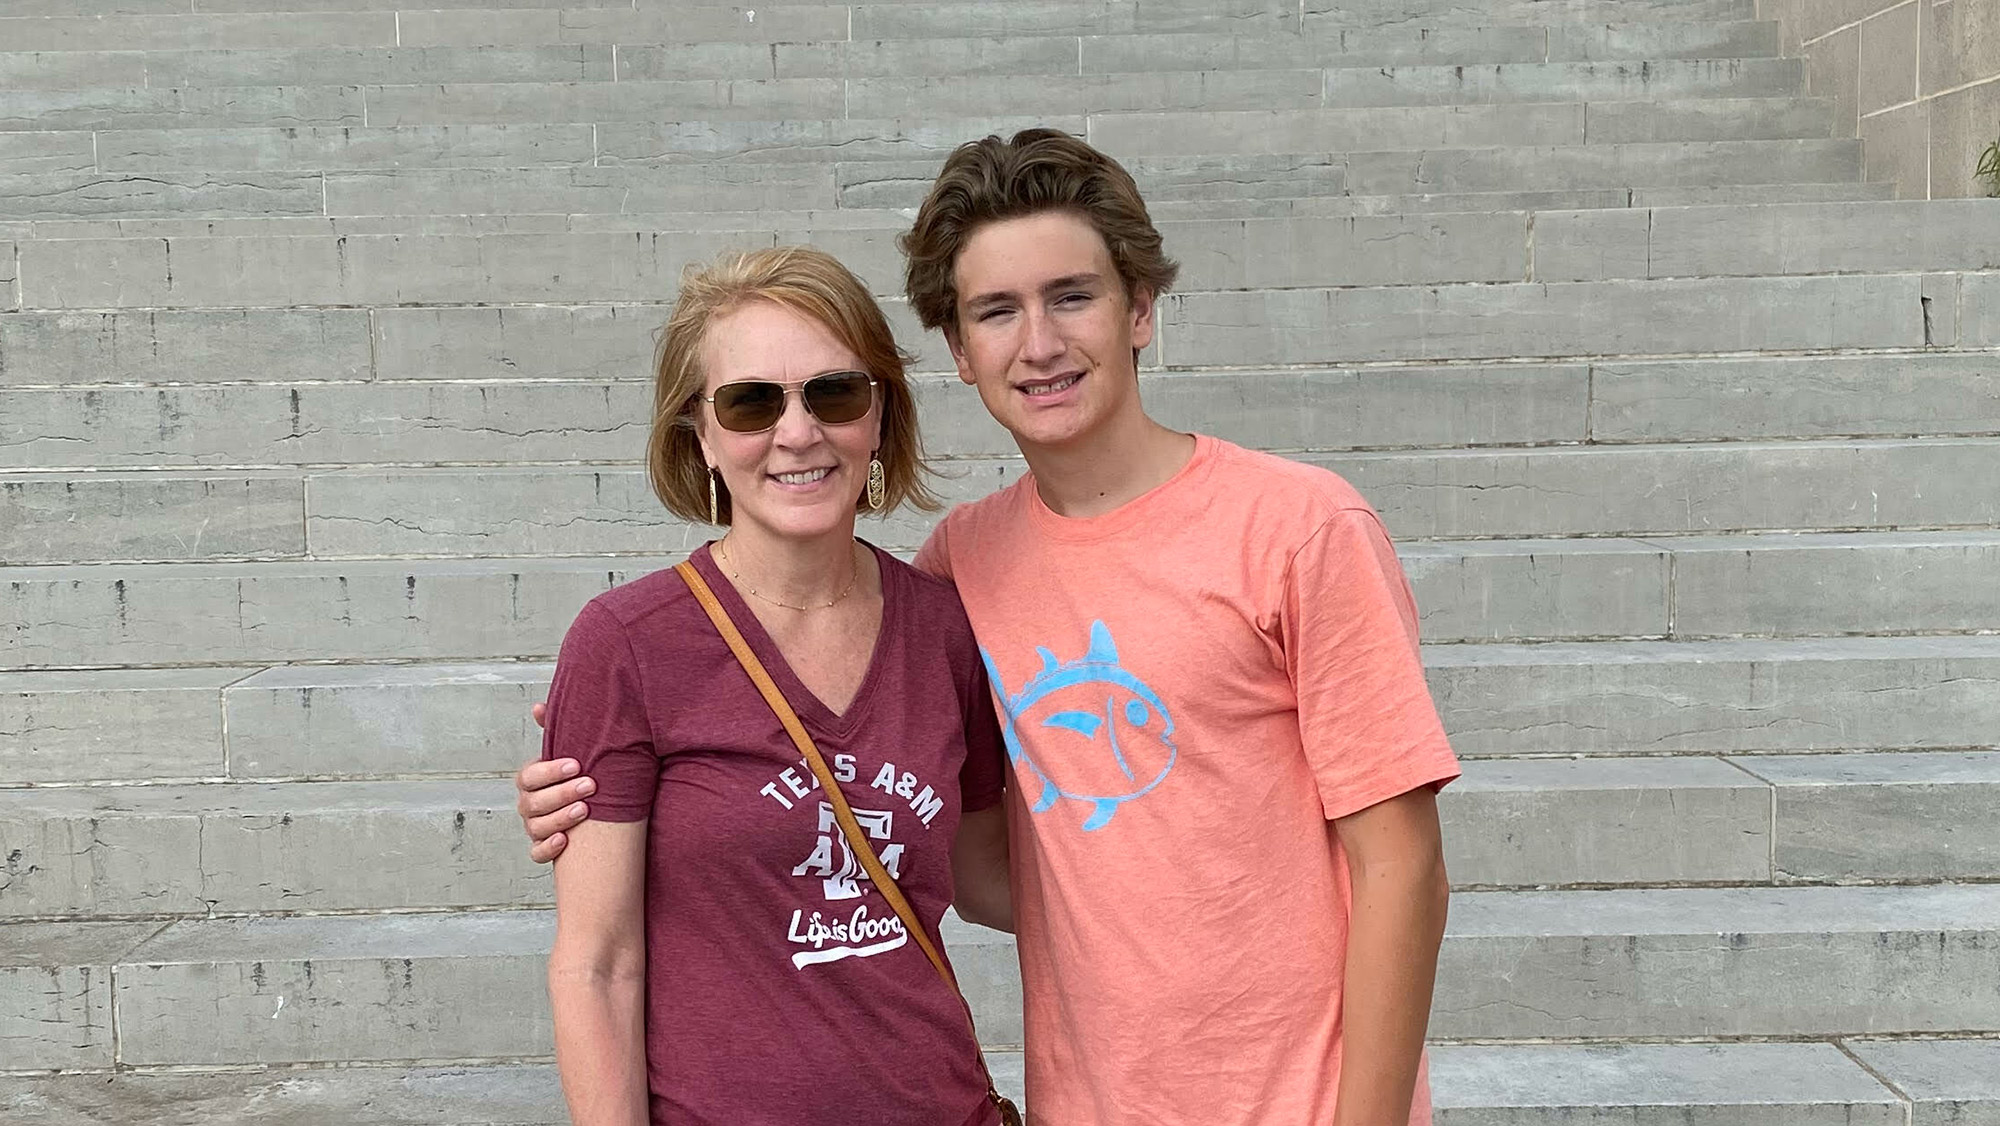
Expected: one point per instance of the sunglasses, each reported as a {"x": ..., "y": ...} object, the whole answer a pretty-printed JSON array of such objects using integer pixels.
[{"x": 753, "y": 405}]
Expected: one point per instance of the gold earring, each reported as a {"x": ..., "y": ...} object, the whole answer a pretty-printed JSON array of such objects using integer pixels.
[
  {"x": 878, "y": 485},
  {"x": 714, "y": 517}
]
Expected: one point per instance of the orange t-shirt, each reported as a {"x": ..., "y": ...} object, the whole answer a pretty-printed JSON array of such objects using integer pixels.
[{"x": 1191, "y": 686}]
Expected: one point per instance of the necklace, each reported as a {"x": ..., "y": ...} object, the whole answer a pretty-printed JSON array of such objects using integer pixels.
[{"x": 723, "y": 555}]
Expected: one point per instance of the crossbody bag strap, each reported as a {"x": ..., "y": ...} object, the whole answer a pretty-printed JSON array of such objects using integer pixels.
[{"x": 857, "y": 839}]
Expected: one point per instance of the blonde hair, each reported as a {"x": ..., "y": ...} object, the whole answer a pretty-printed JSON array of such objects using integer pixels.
[
  {"x": 1037, "y": 170},
  {"x": 813, "y": 284}
]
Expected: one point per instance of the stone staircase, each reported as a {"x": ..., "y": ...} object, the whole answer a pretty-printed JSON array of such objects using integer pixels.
[{"x": 323, "y": 383}]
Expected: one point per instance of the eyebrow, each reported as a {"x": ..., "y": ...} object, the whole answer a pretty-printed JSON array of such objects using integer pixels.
[{"x": 1067, "y": 281}]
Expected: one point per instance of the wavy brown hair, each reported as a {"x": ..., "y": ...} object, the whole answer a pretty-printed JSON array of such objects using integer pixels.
[
  {"x": 809, "y": 282},
  {"x": 1036, "y": 170}
]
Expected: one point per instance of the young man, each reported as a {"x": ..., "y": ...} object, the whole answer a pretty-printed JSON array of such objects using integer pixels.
[{"x": 1229, "y": 890}]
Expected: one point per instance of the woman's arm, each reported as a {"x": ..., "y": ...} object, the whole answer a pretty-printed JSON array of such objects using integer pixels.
[
  {"x": 1395, "y": 862},
  {"x": 597, "y": 973},
  {"x": 979, "y": 869}
]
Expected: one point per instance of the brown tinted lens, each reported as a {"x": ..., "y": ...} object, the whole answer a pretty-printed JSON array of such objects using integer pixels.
[
  {"x": 749, "y": 407},
  {"x": 842, "y": 396}
]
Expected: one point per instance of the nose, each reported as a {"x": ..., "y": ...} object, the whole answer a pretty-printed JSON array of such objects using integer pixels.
[
  {"x": 796, "y": 427},
  {"x": 1043, "y": 345}
]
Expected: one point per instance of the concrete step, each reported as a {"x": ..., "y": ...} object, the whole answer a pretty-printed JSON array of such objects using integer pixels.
[
  {"x": 1765, "y": 241},
  {"x": 1528, "y": 148},
  {"x": 1568, "y": 319},
  {"x": 675, "y": 59},
  {"x": 1756, "y": 1084},
  {"x": 1483, "y": 590},
  {"x": 181, "y": 516},
  {"x": 1719, "y": 697},
  {"x": 234, "y": 849},
  {"x": 310, "y": 847},
  {"x": 1610, "y": 81},
  {"x": 1731, "y": 962}
]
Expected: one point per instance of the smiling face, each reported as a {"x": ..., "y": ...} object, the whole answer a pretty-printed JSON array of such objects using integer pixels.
[
  {"x": 799, "y": 479},
  {"x": 1045, "y": 330}
]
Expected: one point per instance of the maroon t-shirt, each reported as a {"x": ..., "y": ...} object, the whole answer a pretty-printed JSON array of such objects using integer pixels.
[{"x": 781, "y": 986}]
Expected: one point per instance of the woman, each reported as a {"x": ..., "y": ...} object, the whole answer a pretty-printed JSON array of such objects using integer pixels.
[{"x": 720, "y": 957}]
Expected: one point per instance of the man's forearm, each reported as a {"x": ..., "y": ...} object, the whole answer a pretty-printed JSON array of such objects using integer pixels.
[
  {"x": 600, "y": 1045},
  {"x": 1393, "y": 935}
]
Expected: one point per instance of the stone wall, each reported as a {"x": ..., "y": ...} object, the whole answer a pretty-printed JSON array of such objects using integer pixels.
[{"x": 1917, "y": 80}]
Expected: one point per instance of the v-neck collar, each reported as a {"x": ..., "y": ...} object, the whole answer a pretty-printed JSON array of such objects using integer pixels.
[{"x": 811, "y": 709}]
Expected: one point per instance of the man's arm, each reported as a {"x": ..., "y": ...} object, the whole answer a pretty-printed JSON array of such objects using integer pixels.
[
  {"x": 597, "y": 975},
  {"x": 549, "y": 799},
  {"x": 1395, "y": 862},
  {"x": 980, "y": 890}
]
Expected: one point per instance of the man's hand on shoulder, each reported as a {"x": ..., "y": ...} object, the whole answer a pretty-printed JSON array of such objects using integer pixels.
[{"x": 550, "y": 800}]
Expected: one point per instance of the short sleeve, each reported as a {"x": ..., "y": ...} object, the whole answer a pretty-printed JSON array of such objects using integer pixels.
[
  {"x": 934, "y": 558},
  {"x": 983, "y": 779},
  {"x": 597, "y": 715},
  {"x": 1366, "y": 718}
]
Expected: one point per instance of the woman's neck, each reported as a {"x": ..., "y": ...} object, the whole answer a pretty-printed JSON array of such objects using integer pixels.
[{"x": 790, "y": 571}]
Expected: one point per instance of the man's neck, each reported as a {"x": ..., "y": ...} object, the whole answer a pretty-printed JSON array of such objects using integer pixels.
[{"x": 1108, "y": 470}]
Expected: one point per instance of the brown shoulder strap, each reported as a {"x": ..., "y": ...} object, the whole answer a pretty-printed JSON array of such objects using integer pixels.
[{"x": 857, "y": 839}]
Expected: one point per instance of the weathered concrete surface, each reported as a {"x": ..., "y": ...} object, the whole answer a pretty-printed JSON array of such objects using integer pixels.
[
  {"x": 1885, "y": 816},
  {"x": 55, "y": 991},
  {"x": 113, "y": 725},
  {"x": 1948, "y": 1082}
]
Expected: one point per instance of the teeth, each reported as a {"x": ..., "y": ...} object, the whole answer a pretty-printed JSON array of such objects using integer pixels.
[
  {"x": 805, "y": 478},
  {"x": 1051, "y": 388}
]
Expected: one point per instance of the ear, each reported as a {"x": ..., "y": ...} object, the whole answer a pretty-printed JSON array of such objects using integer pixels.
[
  {"x": 957, "y": 347},
  {"x": 1142, "y": 318}
]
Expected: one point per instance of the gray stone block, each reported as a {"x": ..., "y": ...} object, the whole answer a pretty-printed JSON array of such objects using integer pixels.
[
  {"x": 320, "y": 148},
  {"x": 520, "y": 342},
  {"x": 127, "y": 195},
  {"x": 1843, "y": 818},
  {"x": 185, "y": 32},
  {"x": 154, "y": 516},
  {"x": 1857, "y": 583},
  {"x": 1538, "y": 589},
  {"x": 1761, "y": 962},
  {"x": 956, "y": 19},
  {"x": 1640, "y": 490},
  {"x": 1655, "y": 1085},
  {"x": 125, "y": 725},
  {"x": 353, "y": 66},
  {"x": 1812, "y": 238},
  {"x": 479, "y": 1095},
  {"x": 1387, "y": 46},
  {"x": 325, "y": 424},
  {"x": 904, "y": 184},
  {"x": 689, "y": 187},
  {"x": 503, "y": 103},
  {"x": 1305, "y": 326},
  {"x": 906, "y": 58},
  {"x": 1730, "y": 195},
  {"x": 260, "y": 612},
  {"x": 364, "y": 721},
  {"x": 1979, "y": 311},
  {"x": 1549, "y": 822},
  {"x": 1337, "y": 131},
  {"x": 55, "y": 991},
  {"x": 1573, "y": 166},
  {"x": 674, "y": 143},
  {"x": 192, "y": 107},
  {"x": 333, "y": 846},
  {"x": 183, "y": 346},
  {"x": 1364, "y": 250},
  {"x": 1948, "y": 1082},
  {"x": 1743, "y": 39},
  {"x": 496, "y": 511},
  {"x": 1649, "y": 80},
  {"x": 1863, "y": 693},
  {"x": 60, "y": 153},
  {"x": 364, "y": 269},
  {"x": 381, "y": 987},
  {"x": 1088, "y": 93},
  {"x": 1707, "y": 119},
  {"x": 1891, "y": 393},
  {"x": 1319, "y": 14},
  {"x": 517, "y": 26}
]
